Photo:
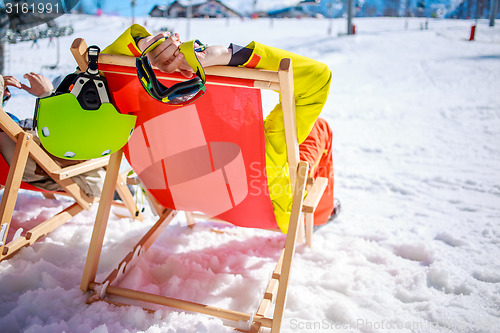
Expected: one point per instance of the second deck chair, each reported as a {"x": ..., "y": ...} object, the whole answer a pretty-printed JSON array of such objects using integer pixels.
[
  {"x": 11, "y": 179},
  {"x": 208, "y": 156}
]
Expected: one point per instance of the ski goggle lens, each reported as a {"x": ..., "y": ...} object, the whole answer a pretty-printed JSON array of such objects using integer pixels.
[{"x": 187, "y": 95}]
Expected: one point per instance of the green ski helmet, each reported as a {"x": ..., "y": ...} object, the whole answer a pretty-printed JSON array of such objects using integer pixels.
[{"x": 82, "y": 124}]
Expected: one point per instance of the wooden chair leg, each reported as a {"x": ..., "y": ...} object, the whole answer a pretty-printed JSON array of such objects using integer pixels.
[
  {"x": 291, "y": 240},
  {"x": 13, "y": 184},
  {"x": 315, "y": 192},
  {"x": 189, "y": 219},
  {"x": 156, "y": 208},
  {"x": 94, "y": 252},
  {"x": 301, "y": 233},
  {"x": 127, "y": 198},
  {"x": 309, "y": 228}
]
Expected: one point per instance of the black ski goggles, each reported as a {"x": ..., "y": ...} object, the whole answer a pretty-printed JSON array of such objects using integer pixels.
[{"x": 181, "y": 93}]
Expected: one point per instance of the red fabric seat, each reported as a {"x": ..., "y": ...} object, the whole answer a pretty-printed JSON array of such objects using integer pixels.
[{"x": 208, "y": 156}]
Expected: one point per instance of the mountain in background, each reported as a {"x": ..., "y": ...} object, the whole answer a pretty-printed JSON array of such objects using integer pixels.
[
  {"x": 143, "y": 7},
  {"x": 325, "y": 8}
]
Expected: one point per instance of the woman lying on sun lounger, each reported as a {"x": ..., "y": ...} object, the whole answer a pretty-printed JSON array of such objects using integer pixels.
[{"x": 311, "y": 83}]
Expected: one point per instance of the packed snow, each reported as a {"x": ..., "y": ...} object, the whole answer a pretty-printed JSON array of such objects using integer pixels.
[{"x": 415, "y": 112}]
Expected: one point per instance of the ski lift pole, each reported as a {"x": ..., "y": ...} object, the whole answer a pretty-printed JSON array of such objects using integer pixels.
[
  {"x": 493, "y": 11},
  {"x": 473, "y": 28},
  {"x": 330, "y": 15},
  {"x": 189, "y": 14},
  {"x": 132, "y": 9},
  {"x": 349, "y": 17},
  {"x": 58, "y": 56},
  {"x": 2, "y": 56}
]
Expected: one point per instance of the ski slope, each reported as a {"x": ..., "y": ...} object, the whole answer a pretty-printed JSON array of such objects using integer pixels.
[{"x": 415, "y": 114}]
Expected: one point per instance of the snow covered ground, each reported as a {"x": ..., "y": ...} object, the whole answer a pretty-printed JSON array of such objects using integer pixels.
[{"x": 416, "y": 119}]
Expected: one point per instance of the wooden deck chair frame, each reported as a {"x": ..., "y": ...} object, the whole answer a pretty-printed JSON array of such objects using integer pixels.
[
  {"x": 282, "y": 80},
  {"x": 26, "y": 146}
]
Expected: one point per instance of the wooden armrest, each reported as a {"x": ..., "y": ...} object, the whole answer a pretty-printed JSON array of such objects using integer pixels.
[
  {"x": 263, "y": 79},
  {"x": 9, "y": 126},
  {"x": 78, "y": 169},
  {"x": 314, "y": 195}
]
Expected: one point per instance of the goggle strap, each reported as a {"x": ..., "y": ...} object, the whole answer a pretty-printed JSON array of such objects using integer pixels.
[
  {"x": 93, "y": 54},
  {"x": 158, "y": 88},
  {"x": 189, "y": 51}
]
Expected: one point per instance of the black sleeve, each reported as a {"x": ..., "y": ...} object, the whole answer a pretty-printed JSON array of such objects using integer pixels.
[
  {"x": 240, "y": 55},
  {"x": 136, "y": 40}
]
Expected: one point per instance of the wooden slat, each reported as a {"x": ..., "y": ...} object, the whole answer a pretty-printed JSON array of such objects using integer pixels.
[
  {"x": 176, "y": 303},
  {"x": 258, "y": 84},
  {"x": 270, "y": 293},
  {"x": 269, "y": 296},
  {"x": 311, "y": 203},
  {"x": 127, "y": 198},
  {"x": 289, "y": 117},
  {"x": 261, "y": 313},
  {"x": 13, "y": 183},
  {"x": 223, "y": 71},
  {"x": 255, "y": 328},
  {"x": 49, "y": 196},
  {"x": 54, "y": 222},
  {"x": 314, "y": 195},
  {"x": 78, "y": 169},
  {"x": 41, "y": 230},
  {"x": 101, "y": 221},
  {"x": 79, "y": 51},
  {"x": 153, "y": 233},
  {"x": 266, "y": 85},
  {"x": 264, "y": 79},
  {"x": 309, "y": 228},
  {"x": 243, "y": 73},
  {"x": 9, "y": 126},
  {"x": 189, "y": 219},
  {"x": 50, "y": 167},
  {"x": 277, "y": 270},
  {"x": 146, "y": 241},
  {"x": 156, "y": 207},
  {"x": 291, "y": 240}
]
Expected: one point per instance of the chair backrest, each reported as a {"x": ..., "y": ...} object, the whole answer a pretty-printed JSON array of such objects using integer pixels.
[{"x": 208, "y": 156}]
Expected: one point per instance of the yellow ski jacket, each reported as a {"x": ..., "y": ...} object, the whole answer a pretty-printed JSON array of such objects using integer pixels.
[{"x": 311, "y": 84}]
